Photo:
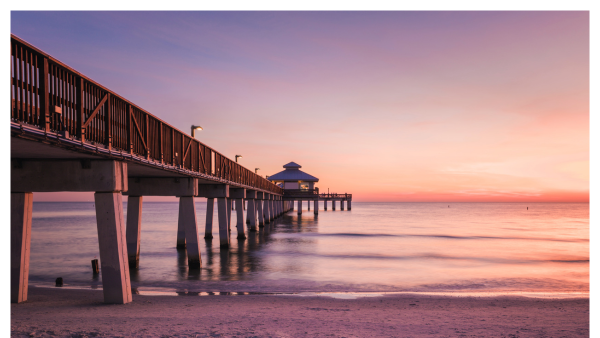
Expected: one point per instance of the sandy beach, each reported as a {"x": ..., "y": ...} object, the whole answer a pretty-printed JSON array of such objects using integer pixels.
[{"x": 81, "y": 313}]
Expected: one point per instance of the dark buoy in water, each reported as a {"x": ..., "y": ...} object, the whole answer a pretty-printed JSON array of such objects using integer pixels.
[{"x": 59, "y": 281}]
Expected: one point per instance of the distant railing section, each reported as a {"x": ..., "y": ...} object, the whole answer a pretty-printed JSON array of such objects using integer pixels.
[
  {"x": 301, "y": 192},
  {"x": 313, "y": 193},
  {"x": 55, "y": 98},
  {"x": 333, "y": 195}
]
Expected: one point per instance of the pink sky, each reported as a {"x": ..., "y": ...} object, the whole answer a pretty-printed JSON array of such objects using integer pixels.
[{"x": 388, "y": 106}]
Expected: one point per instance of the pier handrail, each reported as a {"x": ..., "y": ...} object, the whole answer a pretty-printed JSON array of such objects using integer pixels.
[{"x": 54, "y": 97}]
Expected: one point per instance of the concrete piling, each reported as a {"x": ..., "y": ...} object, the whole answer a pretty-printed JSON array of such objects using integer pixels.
[
  {"x": 316, "y": 202},
  {"x": 210, "y": 205},
  {"x": 133, "y": 232},
  {"x": 261, "y": 215},
  {"x": 229, "y": 204},
  {"x": 325, "y": 205},
  {"x": 299, "y": 207},
  {"x": 21, "y": 204},
  {"x": 240, "y": 218},
  {"x": 251, "y": 214},
  {"x": 223, "y": 222},
  {"x": 187, "y": 220},
  {"x": 349, "y": 204},
  {"x": 113, "y": 247},
  {"x": 333, "y": 205}
]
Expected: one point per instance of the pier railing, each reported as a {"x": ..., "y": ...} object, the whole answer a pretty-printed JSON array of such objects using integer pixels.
[
  {"x": 314, "y": 193},
  {"x": 53, "y": 97},
  {"x": 334, "y": 195},
  {"x": 301, "y": 192}
]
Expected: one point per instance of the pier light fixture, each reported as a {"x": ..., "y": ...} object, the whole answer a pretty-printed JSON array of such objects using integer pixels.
[
  {"x": 236, "y": 157},
  {"x": 194, "y": 128},
  {"x": 256, "y": 170}
]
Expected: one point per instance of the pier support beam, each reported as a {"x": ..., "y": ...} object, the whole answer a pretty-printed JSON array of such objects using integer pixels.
[
  {"x": 114, "y": 263},
  {"x": 108, "y": 179},
  {"x": 180, "y": 235},
  {"x": 251, "y": 211},
  {"x": 325, "y": 205},
  {"x": 223, "y": 222},
  {"x": 342, "y": 205},
  {"x": 210, "y": 206},
  {"x": 163, "y": 186},
  {"x": 221, "y": 193},
  {"x": 316, "y": 206},
  {"x": 187, "y": 221},
  {"x": 239, "y": 194},
  {"x": 308, "y": 202},
  {"x": 134, "y": 229},
  {"x": 266, "y": 208},
  {"x": 259, "y": 209},
  {"x": 299, "y": 207},
  {"x": 241, "y": 230},
  {"x": 333, "y": 205},
  {"x": 229, "y": 204},
  {"x": 349, "y": 204},
  {"x": 21, "y": 205}
]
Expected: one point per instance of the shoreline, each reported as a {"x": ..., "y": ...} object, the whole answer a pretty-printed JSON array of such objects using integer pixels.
[
  {"x": 70, "y": 312},
  {"x": 158, "y": 291}
]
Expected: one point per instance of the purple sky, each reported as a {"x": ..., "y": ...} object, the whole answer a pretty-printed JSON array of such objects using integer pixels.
[{"x": 385, "y": 105}]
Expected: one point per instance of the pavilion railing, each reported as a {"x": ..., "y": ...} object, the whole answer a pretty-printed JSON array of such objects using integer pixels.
[{"x": 55, "y": 98}]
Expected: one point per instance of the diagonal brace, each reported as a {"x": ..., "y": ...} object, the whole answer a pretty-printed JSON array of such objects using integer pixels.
[
  {"x": 138, "y": 130},
  {"x": 96, "y": 110}
]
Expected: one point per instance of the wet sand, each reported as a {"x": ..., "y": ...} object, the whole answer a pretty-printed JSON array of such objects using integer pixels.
[{"x": 81, "y": 313}]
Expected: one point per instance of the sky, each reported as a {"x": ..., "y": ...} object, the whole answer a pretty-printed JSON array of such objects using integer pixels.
[{"x": 388, "y": 106}]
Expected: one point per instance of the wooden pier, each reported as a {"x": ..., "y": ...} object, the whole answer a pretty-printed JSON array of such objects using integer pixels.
[{"x": 69, "y": 133}]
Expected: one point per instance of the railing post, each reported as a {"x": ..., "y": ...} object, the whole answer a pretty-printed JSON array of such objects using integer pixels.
[
  {"x": 147, "y": 138},
  {"x": 80, "y": 109},
  {"x": 160, "y": 134},
  {"x": 172, "y": 147},
  {"x": 44, "y": 94},
  {"x": 182, "y": 149},
  {"x": 108, "y": 121},
  {"x": 129, "y": 129}
]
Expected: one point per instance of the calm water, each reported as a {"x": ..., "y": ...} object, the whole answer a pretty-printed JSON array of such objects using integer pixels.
[{"x": 435, "y": 247}]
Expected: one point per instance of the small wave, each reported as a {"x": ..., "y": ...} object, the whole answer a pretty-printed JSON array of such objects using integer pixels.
[
  {"x": 347, "y": 234},
  {"x": 495, "y": 260}
]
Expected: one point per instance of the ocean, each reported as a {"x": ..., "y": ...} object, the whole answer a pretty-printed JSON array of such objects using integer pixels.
[{"x": 500, "y": 248}]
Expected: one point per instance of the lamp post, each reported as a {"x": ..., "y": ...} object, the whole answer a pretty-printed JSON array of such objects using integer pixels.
[
  {"x": 236, "y": 157},
  {"x": 256, "y": 170},
  {"x": 194, "y": 130}
]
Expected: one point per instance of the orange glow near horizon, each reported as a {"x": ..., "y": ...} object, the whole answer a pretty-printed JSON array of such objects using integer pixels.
[{"x": 388, "y": 106}]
